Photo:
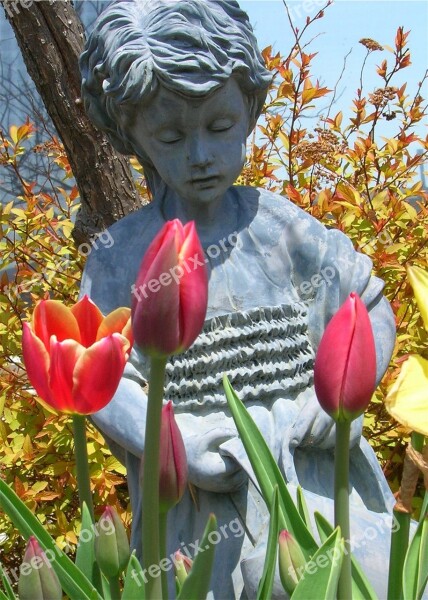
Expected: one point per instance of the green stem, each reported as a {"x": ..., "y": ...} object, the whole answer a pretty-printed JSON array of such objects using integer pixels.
[
  {"x": 114, "y": 588},
  {"x": 82, "y": 464},
  {"x": 341, "y": 505},
  {"x": 163, "y": 518},
  {"x": 150, "y": 504},
  {"x": 400, "y": 533}
]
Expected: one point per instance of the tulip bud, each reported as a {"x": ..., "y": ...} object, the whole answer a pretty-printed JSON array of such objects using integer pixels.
[
  {"x": 173, "y": 462},
  {"x": 182, "y": 566},
  {"x": 171, "y": 292},
  {"x": 291, "y": 561},
  {"x": 345, "y": 364},
  {"x": 111, "y": 543},
  {"x": 37, "y": 579}
]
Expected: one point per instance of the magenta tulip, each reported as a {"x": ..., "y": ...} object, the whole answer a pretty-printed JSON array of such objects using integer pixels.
[
  {"x": 171, "y": 292},
  {"x": 345, "y": 364},
  {"x": 173, "y": 462}
]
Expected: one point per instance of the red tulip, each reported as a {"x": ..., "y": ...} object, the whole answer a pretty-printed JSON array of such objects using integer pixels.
[
  {"x": 171, "y": 292},
  {"x": 173, "y": 462},
  {"x": 74, "y": 356},
  {"x": 345, "y": 364}
]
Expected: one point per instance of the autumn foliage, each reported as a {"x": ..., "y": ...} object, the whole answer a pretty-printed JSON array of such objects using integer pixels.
[{"x": 339, "y": 167}]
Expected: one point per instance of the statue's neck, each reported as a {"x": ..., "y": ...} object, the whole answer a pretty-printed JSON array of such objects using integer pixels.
[{"x": 213, "y": 220}]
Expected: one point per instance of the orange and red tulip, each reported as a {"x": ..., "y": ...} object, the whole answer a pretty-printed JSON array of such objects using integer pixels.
[{"x": 75, "y": 356}]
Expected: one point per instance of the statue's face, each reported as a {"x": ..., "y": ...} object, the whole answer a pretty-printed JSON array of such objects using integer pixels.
[{"x": 196, "y": 145}]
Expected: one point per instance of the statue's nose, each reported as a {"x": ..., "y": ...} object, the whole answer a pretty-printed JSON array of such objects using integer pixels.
[{"x": 199, "y": 153}]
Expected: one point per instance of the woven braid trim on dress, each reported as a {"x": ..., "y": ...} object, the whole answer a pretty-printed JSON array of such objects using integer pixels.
[{"x": 265, "y": 352}]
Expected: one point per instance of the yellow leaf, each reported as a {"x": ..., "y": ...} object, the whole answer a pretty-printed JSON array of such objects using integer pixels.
[
  {"x": 412, "y": 212},
  {"x": 13, "y": 132},
  {"x": 419, "y": 281},
  {"x": 407, "y": 400}
]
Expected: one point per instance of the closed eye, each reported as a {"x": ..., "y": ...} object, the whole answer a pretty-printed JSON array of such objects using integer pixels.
[
  {"x": 169, "y": 137},
  {"x": 222, "y": 125}
]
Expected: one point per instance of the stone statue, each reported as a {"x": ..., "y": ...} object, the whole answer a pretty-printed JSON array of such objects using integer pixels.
[{"x": 180, "y": 84}]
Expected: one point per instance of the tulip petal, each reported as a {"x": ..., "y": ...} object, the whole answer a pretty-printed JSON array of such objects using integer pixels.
[
  {"x": 407, "y": 400},
  {"x": 64, "y": 357},
  {"x": 163, "y": 249},
  {"x": 360, "y": 378},
  {"x": 118, "y": 321},
  {"x": 172, "y": 461},
  {"x": 345, "y": 364},
  {"x": 97, "y": 373},
  {"x": 419, "y": 280},
  {"x": 193, "y": 290},
  {"x": 36, "y": 360},
  {"x": 89, "y": 317},
  {"x": 332, "y": 358},
  {"x": 155, "y": 318},
  {"x": 51, "y": 317}
]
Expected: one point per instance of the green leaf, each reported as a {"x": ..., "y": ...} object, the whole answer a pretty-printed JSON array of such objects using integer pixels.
[
  {"x": 266, "y": 583},
  {"x": 6, "y": 584},
  {"x": 302, "y": 507},
  {"x": 73, "y": 581},
  {"x": 321, "y": 574},
  {"x": 361, "y": 587},
  {"x": 133, "y": 588},
  {"x": 415, "y": 572},
  {"x": 268, "y": 473},
  {"x": 197, "y": 584}
]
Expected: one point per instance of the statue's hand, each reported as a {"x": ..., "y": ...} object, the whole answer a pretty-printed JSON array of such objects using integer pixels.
[
  {"x": 313, "y": 427},
  {"x": 210, "y": 469}
]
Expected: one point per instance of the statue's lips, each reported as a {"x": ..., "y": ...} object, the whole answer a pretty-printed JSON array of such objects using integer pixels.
[{"x": 205, "y": 181}]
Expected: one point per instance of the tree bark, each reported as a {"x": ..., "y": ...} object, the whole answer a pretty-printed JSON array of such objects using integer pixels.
[{"x": 51, "y": 38}]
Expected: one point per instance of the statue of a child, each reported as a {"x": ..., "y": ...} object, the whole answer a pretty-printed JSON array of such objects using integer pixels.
[{"x": 180, "y": 84}]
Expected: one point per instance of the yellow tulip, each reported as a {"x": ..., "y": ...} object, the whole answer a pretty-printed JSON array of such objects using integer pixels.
[
  {"x": 407, "y": 401},
  {"x": 419, "y": 281}
]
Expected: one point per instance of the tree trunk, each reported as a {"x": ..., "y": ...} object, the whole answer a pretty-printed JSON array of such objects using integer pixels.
[{"x": 51, "y": 38}]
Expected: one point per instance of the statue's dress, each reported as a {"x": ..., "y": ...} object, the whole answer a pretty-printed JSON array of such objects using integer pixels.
[{"x": 273, "y": 287}]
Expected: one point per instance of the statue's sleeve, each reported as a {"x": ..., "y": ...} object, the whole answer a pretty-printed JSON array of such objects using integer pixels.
[{"x": 328, "y": 270}]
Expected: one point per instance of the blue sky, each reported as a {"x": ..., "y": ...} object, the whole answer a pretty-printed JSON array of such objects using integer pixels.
[{"x": 344, "y": 24}]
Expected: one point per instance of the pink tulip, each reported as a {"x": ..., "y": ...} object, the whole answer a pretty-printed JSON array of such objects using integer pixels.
[
  {"x": 171, "y": 292},
  {"x": 182, "y": 566},
  {"x": 75, "y": 356},
  {"x": 345, "y": 364},
  {"x": 173, "y": 462}
]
